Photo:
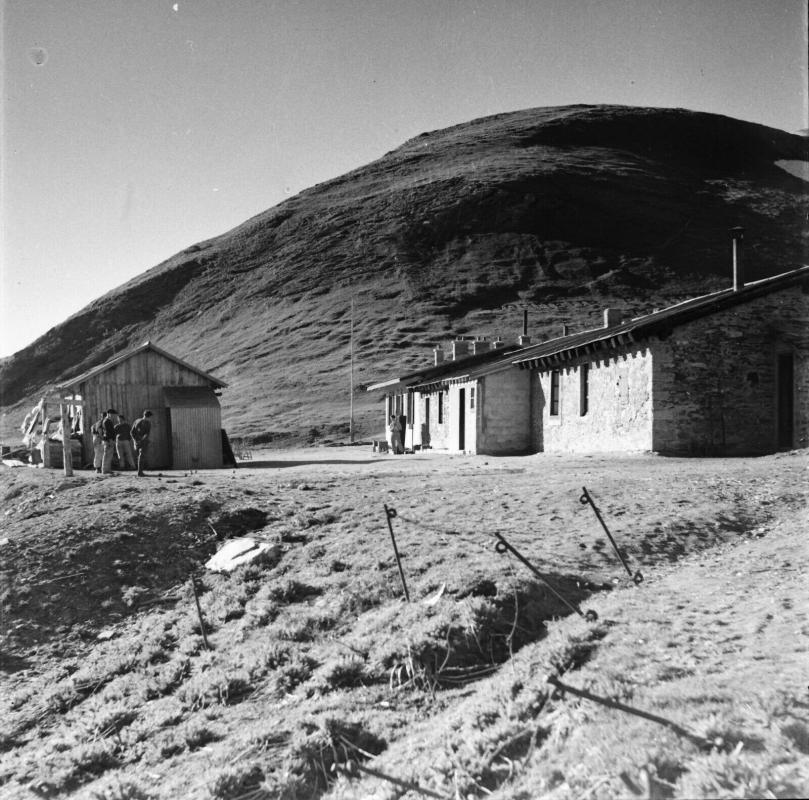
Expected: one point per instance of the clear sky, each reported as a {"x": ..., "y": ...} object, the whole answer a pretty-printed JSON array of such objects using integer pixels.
[{"x": 135, "y": 128}]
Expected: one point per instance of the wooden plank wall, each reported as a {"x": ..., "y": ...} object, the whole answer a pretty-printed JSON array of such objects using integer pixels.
[
  {"x": 132, "y": 386},
  {"x": 196, "y": 437}
]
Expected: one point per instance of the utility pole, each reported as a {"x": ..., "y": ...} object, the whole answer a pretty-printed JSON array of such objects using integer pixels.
[{"x": 351, "y": 376}]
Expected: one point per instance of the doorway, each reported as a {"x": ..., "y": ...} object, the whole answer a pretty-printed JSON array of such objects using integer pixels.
[
  {"x": 785, "y": 400},
  {"x": 462, "y": 419}
]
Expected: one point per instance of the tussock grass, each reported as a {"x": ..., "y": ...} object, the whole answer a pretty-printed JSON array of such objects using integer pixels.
[{"x": 447, "y": 691}]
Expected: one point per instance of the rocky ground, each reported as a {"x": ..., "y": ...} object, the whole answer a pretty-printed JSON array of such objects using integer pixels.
[{"x": 319, "y": 680}]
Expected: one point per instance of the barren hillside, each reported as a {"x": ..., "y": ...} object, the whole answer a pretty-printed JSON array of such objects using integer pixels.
[{"x": 564, "y": 209}]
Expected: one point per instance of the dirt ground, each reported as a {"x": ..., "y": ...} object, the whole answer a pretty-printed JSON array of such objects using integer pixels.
[{"x": 320, "y": 680}]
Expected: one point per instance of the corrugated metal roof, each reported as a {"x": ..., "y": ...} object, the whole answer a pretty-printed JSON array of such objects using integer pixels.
[
  {"x": 189, "y": 397},
  {"x": 659, "y": 323},
  {"x": 124, "y": 356}
]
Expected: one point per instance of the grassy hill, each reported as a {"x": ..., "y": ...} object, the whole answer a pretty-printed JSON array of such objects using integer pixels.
[{"x": 564, "y": 210}]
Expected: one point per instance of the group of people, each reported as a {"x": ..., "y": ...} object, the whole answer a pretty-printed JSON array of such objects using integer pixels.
[{"x": 114, "y": 436}]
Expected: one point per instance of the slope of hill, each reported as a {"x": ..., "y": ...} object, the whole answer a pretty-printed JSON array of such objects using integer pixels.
[{"x": 563, "y": 209}]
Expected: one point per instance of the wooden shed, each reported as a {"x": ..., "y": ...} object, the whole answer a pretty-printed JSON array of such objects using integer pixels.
[{"x": 183, "y": 399}]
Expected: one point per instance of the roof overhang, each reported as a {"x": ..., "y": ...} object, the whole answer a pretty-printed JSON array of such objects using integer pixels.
[
  {"x": 389, "y": 386},
  {"x": 566, "y": 355}
]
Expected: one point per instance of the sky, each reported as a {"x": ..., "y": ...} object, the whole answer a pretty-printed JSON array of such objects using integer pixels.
[{"x": 135, "y": 128}]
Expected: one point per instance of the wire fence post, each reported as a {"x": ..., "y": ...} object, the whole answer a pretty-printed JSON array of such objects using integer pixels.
[
  {"x": 585, "y": 499},
  {"x": 390, "y": 513},
  {"x": 199, "y": 614}
]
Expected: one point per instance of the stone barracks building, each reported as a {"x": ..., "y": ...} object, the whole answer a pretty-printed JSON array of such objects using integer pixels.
[{"x": 722, "y": 374}]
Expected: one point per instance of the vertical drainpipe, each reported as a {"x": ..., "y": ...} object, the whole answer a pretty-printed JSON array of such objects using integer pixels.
[{"x": 738, "y": 263}]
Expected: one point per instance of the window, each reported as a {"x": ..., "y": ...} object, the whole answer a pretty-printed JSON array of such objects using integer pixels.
[
  {"x": 440, "y": 408},
  {"x": 584, "y": 388},
  {"x": 471, "y": 398},
  {"x": 555, "y": 393}
]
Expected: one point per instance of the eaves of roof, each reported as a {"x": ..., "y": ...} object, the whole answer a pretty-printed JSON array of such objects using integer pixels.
[
  {"x": 446, "y": 370},
  {"x": 660, "y": 323},
  {"x": 113, "y": 362}
]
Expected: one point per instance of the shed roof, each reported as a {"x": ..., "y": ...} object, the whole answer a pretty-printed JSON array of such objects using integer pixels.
[
  {"x": 659, "y": 323},
  {"x": 190, "y": 397},
  {"x": 147, "y": 345}
]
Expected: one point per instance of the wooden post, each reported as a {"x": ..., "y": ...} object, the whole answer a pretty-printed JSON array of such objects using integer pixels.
[
  {"x": 43, "y": 442},
  {"x": 67, "y": 451}
]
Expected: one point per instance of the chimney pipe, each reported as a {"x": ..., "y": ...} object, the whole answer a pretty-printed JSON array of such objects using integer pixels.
[
  {"x": 438, "y": 355},
  {"x": 612, "y": 317},
  {"x": 738, "y": 264},
  {"x": 525, "y": 322},
  {"x": 565, "y": 329}
]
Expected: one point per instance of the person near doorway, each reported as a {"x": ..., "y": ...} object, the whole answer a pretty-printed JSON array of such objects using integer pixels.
[
  {"x": 123, "y": 444},
  {"x": 108, "y": 422},
  {"x": 141, "y": 429},
  {"x": 98, "y": 444},
  {"x": 395, "y": 428}
]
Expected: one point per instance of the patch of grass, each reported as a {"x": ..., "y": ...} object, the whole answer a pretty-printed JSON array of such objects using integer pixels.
[
  {"x": 115, "y": 788},
  {"x": 340, "y": 673},
  {"x": 734, "y": 774},
  {"x": 238, "y": 781}
]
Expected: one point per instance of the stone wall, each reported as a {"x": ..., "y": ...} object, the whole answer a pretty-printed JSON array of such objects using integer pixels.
[
  {"x": 619, "y": 405},
  {"x": 504, "y": 413},
  {"x": 716, "y": 378}
]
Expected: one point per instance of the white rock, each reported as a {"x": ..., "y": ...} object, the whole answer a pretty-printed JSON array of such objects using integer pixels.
[{"x": 237, "y": 552}]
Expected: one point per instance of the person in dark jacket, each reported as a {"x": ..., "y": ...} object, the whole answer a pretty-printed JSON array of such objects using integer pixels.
[
  {"x": 141, "y": 428},
  {"x": 123, "y": 444},
  {"x": 108, "y": 422}
]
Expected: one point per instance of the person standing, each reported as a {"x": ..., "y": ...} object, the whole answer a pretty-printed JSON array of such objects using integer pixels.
[
  {"x": 123, "y": 444},
  {"x": 395, "y": 429},
  {"x": 108, "y": 438},
  {"x": 98, "y": 444},
  {"x": 141, "y": 428}
]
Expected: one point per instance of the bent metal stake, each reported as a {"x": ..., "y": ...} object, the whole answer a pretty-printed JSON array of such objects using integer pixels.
[
  {"x": 390, "y": 513},
  {"x": 502, "y": 547},
  {"x": 585, "y": 499}
]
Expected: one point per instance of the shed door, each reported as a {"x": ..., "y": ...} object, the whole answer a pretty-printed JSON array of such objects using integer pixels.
[
  {"x": 196, "y": 427},
  {"x": 196, "y": 438}
]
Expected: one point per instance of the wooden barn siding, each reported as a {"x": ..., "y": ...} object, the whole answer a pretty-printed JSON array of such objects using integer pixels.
[
  {"x": 196, "y": 437},
  {"x": 132, "y": 386}
]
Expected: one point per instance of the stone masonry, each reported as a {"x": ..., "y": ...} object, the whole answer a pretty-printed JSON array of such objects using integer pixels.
[
  {"x": 504, "y": 412},
  {"x": 715, "y": 379},
  {"x": 619, "y": 405}
]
